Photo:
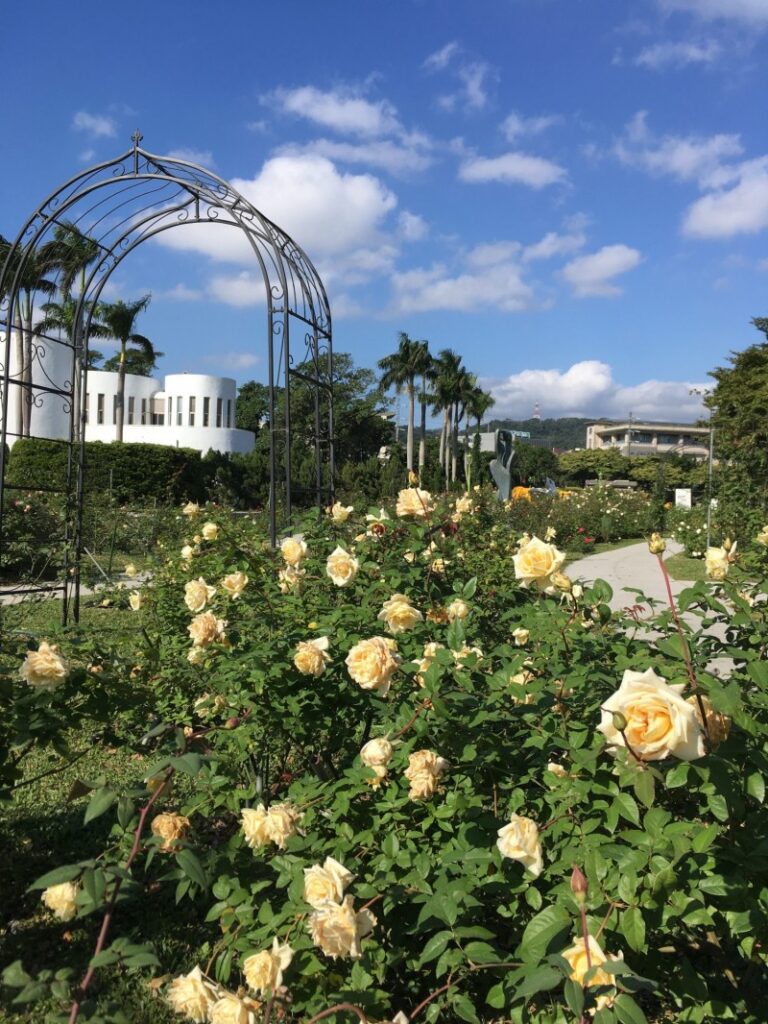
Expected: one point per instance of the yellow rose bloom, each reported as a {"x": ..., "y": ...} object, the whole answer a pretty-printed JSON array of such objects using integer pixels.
[
  {"x": 294, "y": 549},
  {"x": 372, "y": 663},
  {"x": 290, "y": 578},
  {"x": 311, "y": 656},
  {"x": 326, "y": 882},
  {"x": 412, "y": 501},
  {"x": 423, "y": 773},
  {"x": 536, "y": 562},
  {"x": 341, "y": 567},
  {"x": 206, "y": 629},
  {"x": 276, "y": 825},
  {"x": 135, "y": 601},
  {"x": 519, "y": 840},
  {"x": 576, "y": 957},
  {"x": 264, "y": 971},
  {"x": 210, "y": 531},
  {"x": 191, "y": 510},
  {"x": 170, "y": 828},
  {"x": 340, "y": 513},
  {"x": 131, "y": 570},
  {"x": 44, "y": 668},
  {"x": 61, "y": 900},
  {"x": 197, "y": 593},
  {"x": 399, "y": 614},
  {"x": 231, "y": 1009},
  {"x": 660, "y": 722},
  {"x": 718, "y": 562},
  {"x": 192, "y": 995},
  {"x": 376, "y": 753},
  {"x": 457, "y": 609},
  {"x": 336, "y": 928},
  {"x": 234, "y": 584}
]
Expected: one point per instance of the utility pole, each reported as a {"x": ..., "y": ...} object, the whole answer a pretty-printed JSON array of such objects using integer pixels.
[{"x": 709, "y": 480}]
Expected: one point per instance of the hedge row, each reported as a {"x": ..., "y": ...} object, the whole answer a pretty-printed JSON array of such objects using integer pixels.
[{"x": 129, "y": 471}]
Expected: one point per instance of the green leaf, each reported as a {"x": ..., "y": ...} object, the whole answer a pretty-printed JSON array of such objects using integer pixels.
[
  {"x": 464, "y": 1009},
  {"x": 540, "y": 980},
  {"x": 192, "y": 867},
  {"x": 627, "y": 807},
  {"x": 14, "y": 975},
  {"x": 435, "y": 947},
  {"x": 100, "y": 802},
  {"x": 574, "y": 997},
  {"x": 481, "y": 953},
  {"x": 627, "y": 1010},
  {"x": 391, "y": 846},
  {"x": 645, "y": 788},
  {"x": 541, "y": 930},
  {"x": 633, "y": 928},
  {"x": 671, "y": 646},
  {"x": 705, "y": 837},
  {"x": 469, "y": 588},
  {"x": 63, "y": 874},
  {"x": 497, "y": 997},
  {"x": 756, "y": 787},
  {"x": 677, "y": 776}
]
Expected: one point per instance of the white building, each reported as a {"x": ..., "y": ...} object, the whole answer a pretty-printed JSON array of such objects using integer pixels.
[
  {"x": 194, "y": 410},
  {"x": 639, "y": 438}
]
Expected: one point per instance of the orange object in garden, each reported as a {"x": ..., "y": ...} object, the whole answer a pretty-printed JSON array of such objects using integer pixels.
[{"x": 521, "y": 494}]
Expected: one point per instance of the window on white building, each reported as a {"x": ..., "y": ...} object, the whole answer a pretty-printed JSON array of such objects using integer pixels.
[
  {"x": 100, "y": 408},
  {"x": 178, "y": 411},
  {"x": 87, "y": 405},
  {"x": 170, "y": 411},
  {"x": 131, "y": 408},
  {"x": 219, "y": 403},
  {"x": 114, "y": 410},
  {"x": 143, "y": 410},
  {"x": 229, "y": 412},
  {"x": 191, "y": 410},
  {"x": 206, "y": 412}
]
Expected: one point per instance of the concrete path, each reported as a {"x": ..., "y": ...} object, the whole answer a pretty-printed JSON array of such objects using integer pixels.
[{"x": 633, "y": 566}]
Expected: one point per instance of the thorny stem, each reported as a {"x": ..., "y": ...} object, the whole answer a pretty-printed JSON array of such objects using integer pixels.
[
  {"x": 334, "y": 1009},
  {"x": 411, "y": 720},
  {"x": 686, "y": 650},
  {"x": 428, "y": 1000},
  {"x": 105, "y": 924}
]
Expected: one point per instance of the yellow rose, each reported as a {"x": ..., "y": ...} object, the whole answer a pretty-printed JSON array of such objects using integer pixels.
[
  {"x": 372, "y": 663},
  {"x": 413, "y": 478},
  {"x": 197, "y": 593},
  {"x": 231, "y": 1009},
  {"x": 337, "y": 928},
  {"x": 556, "y": 769},
  {"x": 657, "y": 545},
  {"x": 438, "y": 615},
  {"x": 519, "y": 840},
  {"x": 210, "y": 531},
  {"x": 550, "y": 534},
  {"x": 340, "y": 513},
  {"x": 561, "y": 582},
  {"x": 762, "y": 537},
  {"x": 412, "y": 501},
  {"x": 399, "y": 614},
  {"x": 326, "y": 882},
  {"x": 521, "y": 636},
  {"x": 409, "y": 556},
  {"x": 135, "y": 601},
  {"x": 718, "y": 562},
  {"x": 535, "y": 562},
  {"x": 294, "y": 549},
  {"x": 423, "y": 772},
  {"x": 380, "y": 773},
  {"x": 191, "y": 510},
  {"x": 463, "y": 506},
  {"x": 187, "y": 552},
  {"x": 341, "y": 567},
  {"x": 466, "y": 652},
  {"x": 276, "y": 825},
  {"x": 61, "y": 900},
  {"x": 234, "y": 584},
  {"x": 576, "y": 957},
  {"x": 205, "y": 628},
  {"x": 660, "y": 723},
  {"x": 376, "y": 753},
  {"x": 131, "y": 570},
  {"x": 457, "y": 609},
  {"x": 290, "y": 578},
  {"x": 428, "y": 656},
  {"x": 206, "y": 706},
  {"x": 311, "y": 656},
  {"x": 376, "y": 527},
  {"x": 264, "y": 971},
  {"x": 170, "y": 828},
  {"x": 44, "y": 668},
  {"x": 439, "y": 565},
  {"x": 193, "y": 995},
  {"x": 196, "y": 655}
]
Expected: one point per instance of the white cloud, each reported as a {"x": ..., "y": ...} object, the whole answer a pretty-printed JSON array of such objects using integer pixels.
[
  {"x": 398, "y": 158},
  {"x": 243, "y": 290},
  {"x": 678, "y": 55},
  {"x": 440, "y": 59},
  {"x": 181, "y": 293},
  {"x": 515, "y": 125},
  {"x": 686, "y": 157},
  {"x": 593, "y": 275},
  {"x": 742, "y": 209},
  {"x": 411, "y": 227},
  {"x": 473, "y": 77},
  {"x": 202, "y": 157},
  {"x": 513, "y": 168},
  {"x": 327, "y": 212},
  {"x": 753, "y": 12},
  {"x": 500, "y": 286},
  {"x": 554, "y": 244},
  {"x": 97, "y": 125},
  {"x": 233, "y": 360},
  {"x": 490, "y": 253},
  {"x": 343, "y": 110},
  {"x": 344, "y": 307},
  {"x": 588, "y": 389},
  {"x": 87, "y": 155}
]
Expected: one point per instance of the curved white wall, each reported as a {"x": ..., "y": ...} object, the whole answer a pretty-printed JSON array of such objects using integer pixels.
[{"x": 101, "y": 389}]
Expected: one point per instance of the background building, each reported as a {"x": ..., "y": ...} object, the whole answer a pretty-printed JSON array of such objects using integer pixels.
[{"x": 638, "y": 438}]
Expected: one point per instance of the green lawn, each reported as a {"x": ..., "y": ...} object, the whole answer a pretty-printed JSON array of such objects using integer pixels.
[
  {"x": 599, "y": 548},
  {"x": 682, "y": 567}
]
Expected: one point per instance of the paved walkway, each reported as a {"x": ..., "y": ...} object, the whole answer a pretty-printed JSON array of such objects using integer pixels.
[{"x": 633, "y": 566}]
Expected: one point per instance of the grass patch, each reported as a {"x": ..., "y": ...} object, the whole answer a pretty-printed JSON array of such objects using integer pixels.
[
  {"x": 600, "y": 548},
  {"x": 686, "y": 569}
]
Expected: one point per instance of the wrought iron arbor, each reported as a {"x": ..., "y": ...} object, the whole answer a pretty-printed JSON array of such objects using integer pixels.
[{"x": 118, "y": 205}]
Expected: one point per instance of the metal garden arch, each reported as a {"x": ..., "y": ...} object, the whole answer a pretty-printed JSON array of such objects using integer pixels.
[{"x": 119, "y": 205}]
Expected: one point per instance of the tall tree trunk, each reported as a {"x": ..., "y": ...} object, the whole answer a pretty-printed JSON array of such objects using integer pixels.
[
  {"x": 443, "y": 439},
  {"x": 19, "y": 372},
  {"x": 26, "y": 391},
  {"x": 411, "y": 417},
  {"x": 120, "y": 393},
  {"x": 448, "y": 436},
  {"x": 455, "y": 445},
  {"x": 423, "y": 438}
]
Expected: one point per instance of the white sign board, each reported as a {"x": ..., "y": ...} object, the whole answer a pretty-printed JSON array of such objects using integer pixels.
[{"x": 682, "y": 497}]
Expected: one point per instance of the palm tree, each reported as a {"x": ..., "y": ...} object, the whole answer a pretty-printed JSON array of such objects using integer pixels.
[
  {"x": 465, "y": 386},
  {"x": 477, "y": 406},
  {"x": 401, "y": 370},
  {"x": 445, "y": 376},
  {"x": 119, "y": 318},
  {"x": 32, "y": 281}
]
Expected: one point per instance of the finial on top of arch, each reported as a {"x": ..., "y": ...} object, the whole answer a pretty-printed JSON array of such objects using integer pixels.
[{"x": 136, "y": 138}]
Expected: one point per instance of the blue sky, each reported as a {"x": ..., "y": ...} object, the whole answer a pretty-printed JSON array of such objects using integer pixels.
[{"x": 571, "y": 193}]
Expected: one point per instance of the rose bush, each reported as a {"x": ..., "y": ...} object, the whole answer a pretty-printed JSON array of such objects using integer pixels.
[{"x": 391, "y": 821}]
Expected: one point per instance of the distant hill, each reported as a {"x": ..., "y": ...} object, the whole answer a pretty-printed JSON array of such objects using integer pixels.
[{"x": 565, "y": 433}]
